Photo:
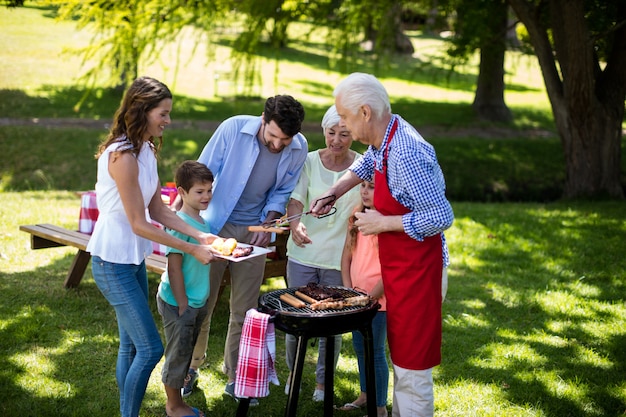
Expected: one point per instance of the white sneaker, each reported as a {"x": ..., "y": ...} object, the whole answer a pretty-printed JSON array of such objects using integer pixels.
[{"x": 318, "y": 395}]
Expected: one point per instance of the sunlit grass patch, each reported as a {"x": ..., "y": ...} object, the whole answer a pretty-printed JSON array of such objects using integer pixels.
[
  {"x": 486, "y": 400},
  {"x": 523, "y": 335}
]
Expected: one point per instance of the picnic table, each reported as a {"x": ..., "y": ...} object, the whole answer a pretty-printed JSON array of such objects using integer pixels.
[{"x": 50, "y": 236}]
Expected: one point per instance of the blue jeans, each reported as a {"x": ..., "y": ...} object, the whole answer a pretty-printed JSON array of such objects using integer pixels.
[
  {"x": 381, "y": 367},
  {"x": 125, "y": 286}
]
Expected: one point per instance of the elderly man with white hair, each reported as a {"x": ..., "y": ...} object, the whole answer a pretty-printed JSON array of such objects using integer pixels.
[{"x": 411, "y": 213}]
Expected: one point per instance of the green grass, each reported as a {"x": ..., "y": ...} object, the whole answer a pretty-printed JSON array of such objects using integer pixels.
[
  {"x": 476, "y": 169},
  {"x": 534, "y": 322},
  {"x": 534, "y": 318}
]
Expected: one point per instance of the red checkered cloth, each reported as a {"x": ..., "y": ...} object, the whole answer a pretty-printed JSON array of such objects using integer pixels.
[
  {"x": 257, "y": 355},
  {"x": 88, "y": 212},
  {"x": 168, "y": 195},
  {"x": 157, "y": 248}
]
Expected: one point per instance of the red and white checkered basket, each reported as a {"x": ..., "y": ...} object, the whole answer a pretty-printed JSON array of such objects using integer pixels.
[
  {"x": 89, "y": 214},
  {"x": 157, "y": 248}
]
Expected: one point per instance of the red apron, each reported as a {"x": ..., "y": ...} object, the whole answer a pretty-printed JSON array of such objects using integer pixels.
[{"x": 411, "y": 272}]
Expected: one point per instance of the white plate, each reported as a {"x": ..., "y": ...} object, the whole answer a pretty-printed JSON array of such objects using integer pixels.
[{"x": 257, "y": 251}]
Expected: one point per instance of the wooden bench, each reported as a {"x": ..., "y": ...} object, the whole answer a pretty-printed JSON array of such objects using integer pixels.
[{"x": 50, "y": 236}]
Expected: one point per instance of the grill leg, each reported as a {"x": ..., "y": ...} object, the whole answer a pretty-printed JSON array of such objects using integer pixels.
[
  {"x": 242, "y": 408},
  {"x": 329, "y": 376},
  {"x": 296, "y": 378},
  {"x": 370, "y": 376}
]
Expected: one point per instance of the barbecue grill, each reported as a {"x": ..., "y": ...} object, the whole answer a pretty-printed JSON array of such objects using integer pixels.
[{"x": 305, "y": 323}]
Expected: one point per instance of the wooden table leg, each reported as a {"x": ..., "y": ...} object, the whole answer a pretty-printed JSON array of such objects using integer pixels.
[{"x": 77, "y": 270}]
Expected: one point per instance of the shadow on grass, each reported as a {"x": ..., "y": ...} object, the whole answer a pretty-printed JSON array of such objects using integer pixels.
[
  {"x": 534, "y": 309},
  {"x": 539, "y": 331},
  {"x": 476, "y": 169},
  {"x": 58, "y": 350},
  {"x": 56, "y": 346},
  {"x": 61, "y": 101},
  {"x": 516, "y": 169}
]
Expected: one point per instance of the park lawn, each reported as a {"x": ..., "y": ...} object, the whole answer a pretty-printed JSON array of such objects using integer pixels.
[
  {"x": 476, "y": 169},
  {"x": 533, "y": 324}
]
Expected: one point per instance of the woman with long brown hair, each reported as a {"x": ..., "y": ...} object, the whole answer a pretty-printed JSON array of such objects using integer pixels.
[{"x": 127, "y": 186}]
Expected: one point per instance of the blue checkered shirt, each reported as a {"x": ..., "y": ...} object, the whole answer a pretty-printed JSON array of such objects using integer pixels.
[{"x": 415, "y": 180}]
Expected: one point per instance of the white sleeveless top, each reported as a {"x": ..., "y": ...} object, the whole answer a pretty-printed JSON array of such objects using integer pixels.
[{"x": 113, "y": 239}]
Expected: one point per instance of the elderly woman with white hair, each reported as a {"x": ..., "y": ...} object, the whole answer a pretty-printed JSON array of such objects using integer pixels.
[{"x": 315, "y": 245}]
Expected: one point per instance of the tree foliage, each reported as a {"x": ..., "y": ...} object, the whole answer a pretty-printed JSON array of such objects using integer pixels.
[
  {"x": 128, "y": 34},
  {"x": 349, "y": 25},
  {"x": 580, "y": 46}
]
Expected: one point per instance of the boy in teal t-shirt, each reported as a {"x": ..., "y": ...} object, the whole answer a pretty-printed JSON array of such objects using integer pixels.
[{"x": 184, "y": 289}]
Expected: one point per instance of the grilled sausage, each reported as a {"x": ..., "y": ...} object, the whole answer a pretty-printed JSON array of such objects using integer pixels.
[
  {"x": 292, "y": 301},
  {"x": 305, "y": 297}
]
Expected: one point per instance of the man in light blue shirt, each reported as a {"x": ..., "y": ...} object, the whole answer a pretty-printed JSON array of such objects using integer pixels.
[{"x": 256, "y": 162}]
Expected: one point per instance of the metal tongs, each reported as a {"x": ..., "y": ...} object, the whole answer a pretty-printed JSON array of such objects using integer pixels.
[{"x": 283, "y": 221}]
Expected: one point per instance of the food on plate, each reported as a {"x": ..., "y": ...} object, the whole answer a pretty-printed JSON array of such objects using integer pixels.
[
  {"x": 217, "y": 244},
  {"x": 230, "y": 247},
  {"x": 224, "y": 247},
  {"x": 358, "y": 301},
  {"x": 241, "y": 251}
]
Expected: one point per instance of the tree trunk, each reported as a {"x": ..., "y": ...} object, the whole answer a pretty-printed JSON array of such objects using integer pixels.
[
  {"x": 403, "y": 44},
  {"x": 431, "y": 18},
  {"x": 592, "y": 150},
  {"x": 389, "y": 37},
  {"x": 489, "y": 99},
  {"x": 587, "y": 101}
]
